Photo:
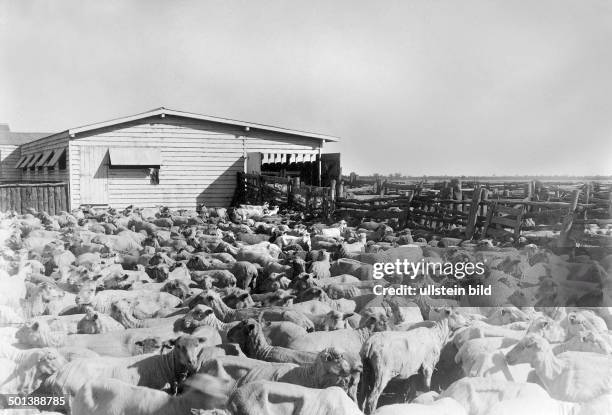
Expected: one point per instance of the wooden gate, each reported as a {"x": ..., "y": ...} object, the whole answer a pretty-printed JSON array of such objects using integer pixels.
[{"x": 94, "y": 175}]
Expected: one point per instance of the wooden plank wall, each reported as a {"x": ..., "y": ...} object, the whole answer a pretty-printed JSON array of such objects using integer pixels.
[
  {"x": 49, "y": 197},
  {"x": 200, "y": 161},
  {"x": 9, "y": 155}
]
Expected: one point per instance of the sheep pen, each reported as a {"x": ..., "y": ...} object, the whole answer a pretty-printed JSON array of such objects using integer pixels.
[{"x": 258, "y": 309}]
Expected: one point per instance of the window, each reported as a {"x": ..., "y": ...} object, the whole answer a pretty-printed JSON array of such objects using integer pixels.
[{"x": 154, "y": 175}]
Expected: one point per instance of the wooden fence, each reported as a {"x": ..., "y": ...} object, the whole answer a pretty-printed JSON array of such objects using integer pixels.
[
  {"x": 256, "y": 188},
  {"x": 499, "y": 210},
  {"x": 49, "y": 197}
]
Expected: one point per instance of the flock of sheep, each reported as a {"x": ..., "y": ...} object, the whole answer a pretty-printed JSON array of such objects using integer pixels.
[{"x": 248, "y": 311}]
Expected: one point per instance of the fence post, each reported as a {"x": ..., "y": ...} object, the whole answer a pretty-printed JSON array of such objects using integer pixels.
[
  {"x": 568, "y": 220},
  {"x": 341, "y": 189},
  {"x": 587, "y": 197},
  {"x": 458, "y": 194},
  {"x": 473, "y": 215},
  {"x": 484, "y": 198}
]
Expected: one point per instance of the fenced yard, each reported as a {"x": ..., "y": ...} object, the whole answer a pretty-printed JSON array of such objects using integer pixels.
[
  {"x": 49, "y": 197},
  {"x": 553, "y": 210}
]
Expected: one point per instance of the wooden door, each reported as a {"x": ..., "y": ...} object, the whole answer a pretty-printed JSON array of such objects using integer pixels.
[{"x": 94, "y": 175}]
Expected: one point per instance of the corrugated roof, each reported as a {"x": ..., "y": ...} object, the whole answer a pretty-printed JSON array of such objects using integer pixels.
[{"x": 17, "y": 138}]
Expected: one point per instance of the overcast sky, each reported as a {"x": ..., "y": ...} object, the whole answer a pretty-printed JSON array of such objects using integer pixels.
[{"x": 471, "y": 87}]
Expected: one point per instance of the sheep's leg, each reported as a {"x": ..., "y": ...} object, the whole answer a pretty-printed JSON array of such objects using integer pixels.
[
  {"x": 379, "y": 385},
  {"x": 427, "y": 374}
]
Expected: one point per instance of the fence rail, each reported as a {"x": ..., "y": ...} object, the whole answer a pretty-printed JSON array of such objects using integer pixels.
[
  {"x": 256, "y": 188},
  {"x": 49, "y": 197},
  {"x": 477, "y": 209}
]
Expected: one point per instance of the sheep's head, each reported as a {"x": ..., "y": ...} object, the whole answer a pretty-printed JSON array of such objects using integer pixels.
[
  {"x": 333, "y": 369},
  {"x": 239, "y": 299},
  {"x": 177, "y": 288},
  {"x": 210, "y": 298},
  {"x": 196, "y": 317},
  {"x": 35, "y": 334},
  {"x": 313, "y": 293},
  {"x": 302, "y": 282},
  {"x": 577, "y": 321},
  {"x": 507, "y": 315},
  {"x": 90, "y": 323},
  {"x": 187, "y": 350},
  {"x": 588, "y": 341},
  {"x": 335, "y": 320},
  {"x": 244, "y": 332},
  {"x": 278, "y": 298},
  {"x": 455, "y": 320},
  {"x": 528, "y": 350},
  {"x": 547, "y": 328},
  {"x": 87, "y": 292},
  {"x": 147, "y": 345},
  {"x": 50, "y": 362},
  {"x": 375, "y": 322},
  {"x": 49, "y": 292}
]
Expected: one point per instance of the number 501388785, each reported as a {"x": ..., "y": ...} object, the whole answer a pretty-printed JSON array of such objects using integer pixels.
[{"x": 21, "y": 401}]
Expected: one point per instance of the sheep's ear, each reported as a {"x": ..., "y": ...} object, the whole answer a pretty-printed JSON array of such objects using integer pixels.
[
  {"x": 208, "y": 312},
  {"x": 347, "y": 315},
  {"x": 201, "y": 339},
  {"x": 447, "y": 311},
  {"x": 243, "y": 296},
  {"x": 35, "y": 326},
  {"x": 250, "y": 326},
  {"x": 139, "y": 343}
]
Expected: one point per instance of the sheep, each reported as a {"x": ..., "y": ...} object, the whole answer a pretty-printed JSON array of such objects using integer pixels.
[
  {"x": 122, "y": 312},
  {"x": 24, "y": 372},
  {"x": 94, "y": 323},
  {"x": 545, "y": 406},
  {"x": 112, "y": 396},
  {"x": 279, "y": 333},
  {"x": 444, "y": 406},
  {"x": 350, "y": 340},
  {"x": 153, "y": 370},
  {"x": 265, "y": 397},
  {"x": 250, "y": 336},
  {"x": 114, "y": 343},
  {"x": 390, "y": 354},
  {"x": 478, "y": 395},
  {"x": 330, "y": 368},
  {"x": 226, "y": 314},
  {"x": 570, "y": 376},
  {"x": 486, "y": 357}
]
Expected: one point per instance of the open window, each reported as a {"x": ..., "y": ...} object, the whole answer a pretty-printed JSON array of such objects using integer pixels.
[{"x": 137, "y": 157}]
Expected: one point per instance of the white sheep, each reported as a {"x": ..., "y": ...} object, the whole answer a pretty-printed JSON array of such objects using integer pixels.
[
  {"x": 570, "y": 376},
  {"x": 478, "y": 395}
]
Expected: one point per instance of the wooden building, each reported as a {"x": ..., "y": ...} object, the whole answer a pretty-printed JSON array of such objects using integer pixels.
[
  {"x": 167, "y": 157},
  {"x": 10, "y": 153}
]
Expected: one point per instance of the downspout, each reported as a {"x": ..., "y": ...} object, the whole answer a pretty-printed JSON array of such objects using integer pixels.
[{"x": 319, "y": 163}]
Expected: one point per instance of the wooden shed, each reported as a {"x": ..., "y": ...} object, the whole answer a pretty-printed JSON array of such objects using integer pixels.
[
  {"x": 10, "y": 142},
  {"x": 167, "y": 157}
]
